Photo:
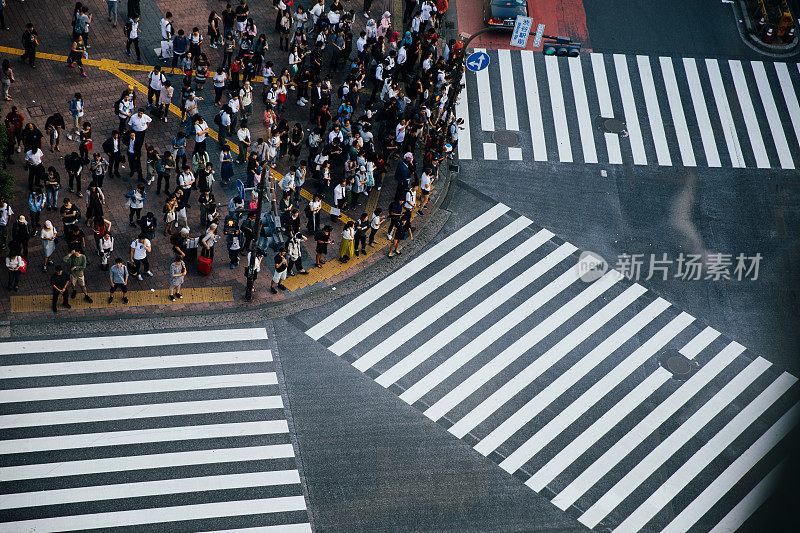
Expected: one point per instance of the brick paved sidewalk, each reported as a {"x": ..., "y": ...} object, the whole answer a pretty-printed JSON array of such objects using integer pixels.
[{"x": 47, "y": 89}]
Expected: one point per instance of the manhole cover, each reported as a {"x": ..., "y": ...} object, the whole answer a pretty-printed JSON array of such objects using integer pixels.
[
  {"x": 611, "y": 125},
  {"x": 680, "y": 366},
  {"x": 505, "y": 138},
  {"x": 35, "y": 111}
]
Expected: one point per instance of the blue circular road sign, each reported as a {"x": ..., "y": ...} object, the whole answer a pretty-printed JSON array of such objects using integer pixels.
[{"x": 478, "y": 61}]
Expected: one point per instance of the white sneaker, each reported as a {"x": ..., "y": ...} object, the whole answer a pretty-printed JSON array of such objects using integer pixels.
[
  {"x": 301, "y": 103},
  {"x": 69, "y": 137},
  {"x": 139, "y": 277},
  {"x": 149, "y": 273}
]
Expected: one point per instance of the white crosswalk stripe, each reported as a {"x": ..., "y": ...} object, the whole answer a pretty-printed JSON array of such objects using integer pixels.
[
  {"x": 711, "y": 113},
  {"x": 148, "y": 429},
  {"x": 560, "y": 379}
]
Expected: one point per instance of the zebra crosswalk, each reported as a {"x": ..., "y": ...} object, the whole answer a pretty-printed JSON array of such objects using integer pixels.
[
  {"x": 497, "y": 334},
  {"x": 677, "y": 111},
  {"x": 146, "y": 431}
]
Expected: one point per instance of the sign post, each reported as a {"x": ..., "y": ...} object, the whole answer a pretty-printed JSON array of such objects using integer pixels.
[{"x": 522, "y": 28}]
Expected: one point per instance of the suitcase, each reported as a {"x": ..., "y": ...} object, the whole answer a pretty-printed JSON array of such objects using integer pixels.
[{"x": 204, "y": 265}]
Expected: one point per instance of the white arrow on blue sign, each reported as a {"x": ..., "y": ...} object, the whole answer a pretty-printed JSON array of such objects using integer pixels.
[{"x": 478, "y": 61}]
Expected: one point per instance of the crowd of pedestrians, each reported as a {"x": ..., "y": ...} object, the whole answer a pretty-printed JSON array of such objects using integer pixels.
[{"x": 377, "y": 103}]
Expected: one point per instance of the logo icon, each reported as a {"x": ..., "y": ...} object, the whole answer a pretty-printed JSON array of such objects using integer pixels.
[{"x": 591, "y": 266}]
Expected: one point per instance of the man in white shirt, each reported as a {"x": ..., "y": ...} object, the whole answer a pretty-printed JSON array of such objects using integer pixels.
[
  {"x": 336, "y": 133},
  {"x": 243, "y": 136},
  {"x": 200, "y": 132},
  {"x": 338, "y": 195},
  {"x": 5, "y": 216},
  {"x": 139, "y": 249},
  {"x": 425, "y": 186},
  {"x": 185, "y": 182},
  {"x": 166, "y": 27},
  {"x": 139, "y": 123},
  {"x": 33, "y": 158},
  {"x": 411, "y": 197},
  {"x": 124, "y": 112},
  {"x": 361, "y": 42},
  {"x": 156, "y": 82},
  {"x": 133, "y": 38},
  {"x": 224, "y": 125},
  {"x": 317, "y": 10}
]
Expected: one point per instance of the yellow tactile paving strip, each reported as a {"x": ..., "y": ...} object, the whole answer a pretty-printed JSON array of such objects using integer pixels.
[{"x": 42, "y": 302}]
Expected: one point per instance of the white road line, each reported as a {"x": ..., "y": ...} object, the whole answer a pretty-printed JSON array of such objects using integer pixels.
[
  {"x": 710, "y": 450},
  {"x": 412, "y": 297},
  {"x": 749, "y": 114},
  {"x": 654, "y": 419},
  {"x": 466, "y": 321},
  {"x": 773, "y": 118},
  {"x": 750, "y": 503},
  {"x": 447, "y": 303},
  {"x": 507, "y": 356},
  {"x": 701, "y": 112},
  {"x": 490, "y": 151},
  {"x": 559, "y": 111},
  {"x": 620, "y": 336},
  {"x": 736, "y": 471},
  {"x": 507, "y": 84},
  {"x": 158, "y": 515},
  {"x": 676, "y": 110},
  {"x": 700, "y": 342},
  {"x": 629, "y": 107},
  {"x": 484, "y": 340},
  {"x": 534, "y": 106},
  {"x": 567, "y": 455},
  {"x": 582, "y": 108},
  {"x": 127, "y": 364},
  {"x": 555, "y": 389},
  {"x": 514, "y": 153},
  {"x": 524, "y": 453},
  {"x": 172, "y": 338},
  {"x": 137, "y": 436},
  {"x": 672, "y": 443},
  {"x": 790, "y": 97},
  {"x": 462, "y": 112},
  {"x": 606, "y": 109},
  {"x": 653, "y": 111},
  {"x": 725, "y": 117},
  {"x": 381, "y": 288},
  {"x": 530, "y": 373},
  {"x": 144, "y": 462},
  {"x": 281, "y": 528},
  {"x": 117, "y": 388},
  {"x": 129, "y": 412},
  {"x": 485, "y": 97},
  {"x": 149, "y": 488}
]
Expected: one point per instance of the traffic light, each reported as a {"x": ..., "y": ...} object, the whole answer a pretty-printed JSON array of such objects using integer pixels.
[{"x": 561, "y": 46}]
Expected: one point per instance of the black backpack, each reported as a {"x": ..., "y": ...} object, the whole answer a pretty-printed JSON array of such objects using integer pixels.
[{"x": 116, "y": 107}]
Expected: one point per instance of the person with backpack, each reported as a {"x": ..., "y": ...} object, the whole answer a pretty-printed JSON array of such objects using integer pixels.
[
  {"x": 132, "y": 34},
  {"x": 136, "y": 198},
  {"x": 140, "y": 247},
  {"x": 156, "y": 80}
]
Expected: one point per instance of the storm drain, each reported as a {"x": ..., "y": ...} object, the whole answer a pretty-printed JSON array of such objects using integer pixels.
[
  {"x": 680, "y": 366},
  {"x": 505, "y": 138}
]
